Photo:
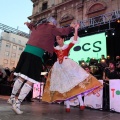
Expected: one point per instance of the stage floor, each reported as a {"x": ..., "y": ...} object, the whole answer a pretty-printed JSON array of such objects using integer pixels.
[{"x": 42, "y": 111}]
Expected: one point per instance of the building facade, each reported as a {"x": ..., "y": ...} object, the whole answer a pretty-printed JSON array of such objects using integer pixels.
[
  {"x": 67, "y": 10},
  {"x": 93, "y": 16},
  {"x": 11, "y": 47}
]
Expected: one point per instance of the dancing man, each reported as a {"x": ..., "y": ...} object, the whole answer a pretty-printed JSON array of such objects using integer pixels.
[{"x": 30, "y": 63}]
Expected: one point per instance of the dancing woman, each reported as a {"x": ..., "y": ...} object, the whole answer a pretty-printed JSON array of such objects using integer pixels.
[{"x": 67, "y": 79}]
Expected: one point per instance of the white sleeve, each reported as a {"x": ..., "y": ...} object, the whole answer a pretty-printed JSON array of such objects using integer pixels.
[{"x": 74, "y": 41}]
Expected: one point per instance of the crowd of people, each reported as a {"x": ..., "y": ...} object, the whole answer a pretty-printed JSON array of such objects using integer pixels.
[
  {"x": 7, "y": 79},
  {"x": 104, "y": 68},
  {"x": 7, "y": 76}
]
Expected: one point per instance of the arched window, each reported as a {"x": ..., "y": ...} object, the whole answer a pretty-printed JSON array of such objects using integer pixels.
[
  {"x": 96, "y": 9},
  {"x": 66, "y": 19}
]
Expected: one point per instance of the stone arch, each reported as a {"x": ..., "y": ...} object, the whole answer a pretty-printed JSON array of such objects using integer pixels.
[
  {"x": 67, "y": 18},
  {"x": 96, "y": 7}
]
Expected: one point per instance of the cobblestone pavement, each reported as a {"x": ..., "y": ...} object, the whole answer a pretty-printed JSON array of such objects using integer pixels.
[{"x": 42, "y": 111}]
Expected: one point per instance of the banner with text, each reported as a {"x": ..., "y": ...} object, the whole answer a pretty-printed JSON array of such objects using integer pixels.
[
  {"x": 114, "y": 89},
  {"x": 38, "y": 90},
  {"x": 92, "y": 46}
]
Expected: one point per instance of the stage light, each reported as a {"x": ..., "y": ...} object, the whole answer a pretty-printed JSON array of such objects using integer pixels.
[
  {"x": 102, "y": 61},
  {"x": 106, "y": 33},
  {"x": 113, "y": 32},
  {"x": 118, "y": 21},
  {"x": 86, "y": 31},
  {"x": 83, "y": 64}
]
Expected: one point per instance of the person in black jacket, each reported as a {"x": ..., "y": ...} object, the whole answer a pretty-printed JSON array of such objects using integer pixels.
[{"x": 110, "y": 72}]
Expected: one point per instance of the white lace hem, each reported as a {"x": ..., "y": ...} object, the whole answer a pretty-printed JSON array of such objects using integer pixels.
[{"x": 26, "y": 77}]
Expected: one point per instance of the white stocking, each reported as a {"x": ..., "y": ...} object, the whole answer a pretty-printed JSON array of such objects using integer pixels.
[
  {"x": 23, "y": 93},
  {"x": 80, "y": 100},
  {"x": 67, "y": 103},
  {"x": 16, "y": 87}
]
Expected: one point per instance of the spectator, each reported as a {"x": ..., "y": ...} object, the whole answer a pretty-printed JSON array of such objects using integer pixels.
[
  {"x": 88, "y": 69},
  {"x": 108, "y": 59},
  {"x": 2, "y": 74},
  {"x": 7, "y": 70},
  {"x": 10, "y": 79},
  {"x": 118, "y": 64},
  {"x": 117, "y": 59},
  {"x": 110, "y": 72},
  {"x": 103, "y": 57}
]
